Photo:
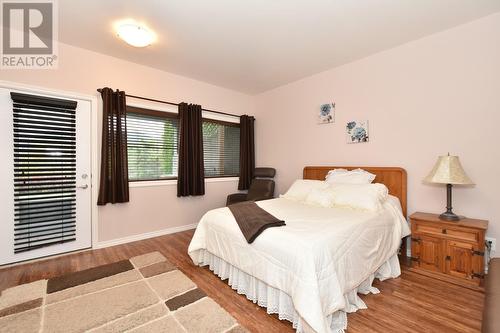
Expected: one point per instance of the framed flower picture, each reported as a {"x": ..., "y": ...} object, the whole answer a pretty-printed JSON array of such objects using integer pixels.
[
  {"x": 357, "y": 131},
  {"x": 326, "y": 113}
]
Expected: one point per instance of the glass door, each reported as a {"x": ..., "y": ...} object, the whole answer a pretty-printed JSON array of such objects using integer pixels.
[{"x": 46, "y": 198}]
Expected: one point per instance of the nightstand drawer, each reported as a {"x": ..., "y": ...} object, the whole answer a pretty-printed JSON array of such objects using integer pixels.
[
  {"x": 468, "y": 235},
  {"x": 447, "y": 232}
]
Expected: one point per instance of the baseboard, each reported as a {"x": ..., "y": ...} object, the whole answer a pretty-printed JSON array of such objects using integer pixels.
[{"x": 146, "y": 235}]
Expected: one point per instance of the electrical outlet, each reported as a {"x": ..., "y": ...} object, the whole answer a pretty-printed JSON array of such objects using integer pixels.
[{"x": 493, "y": 244}]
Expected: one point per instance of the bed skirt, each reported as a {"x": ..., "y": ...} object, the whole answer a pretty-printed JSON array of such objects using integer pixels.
[{"x": 280, "y": 303}]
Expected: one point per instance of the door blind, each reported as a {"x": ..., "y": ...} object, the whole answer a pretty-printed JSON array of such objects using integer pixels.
[{"x": 44, "y": 171}]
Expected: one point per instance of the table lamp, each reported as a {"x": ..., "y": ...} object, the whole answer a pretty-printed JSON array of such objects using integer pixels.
[{"x": 449, "y": 171}]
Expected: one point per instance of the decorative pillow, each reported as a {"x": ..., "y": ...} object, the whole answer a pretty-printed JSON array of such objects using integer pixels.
[
  {"x": 342, "y": 176},
  {"x": 320, "y": 197},
  {"x": 301, "y": 187},
  {"x": 360, "y": 196}
]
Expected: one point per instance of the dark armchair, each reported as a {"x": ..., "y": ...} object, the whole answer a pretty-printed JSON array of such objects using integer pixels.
[{"x": 261, "y": 188}]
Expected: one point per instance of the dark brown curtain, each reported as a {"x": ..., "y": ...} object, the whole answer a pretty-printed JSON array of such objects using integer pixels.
[
  {"x": 191, "y": 174},
  {"x": 247, "y": 152},
  {"x": 114, "y": 168}
]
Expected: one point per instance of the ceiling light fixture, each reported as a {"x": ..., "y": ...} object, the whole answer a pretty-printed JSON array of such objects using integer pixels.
[{"x": 135, "y": 34}]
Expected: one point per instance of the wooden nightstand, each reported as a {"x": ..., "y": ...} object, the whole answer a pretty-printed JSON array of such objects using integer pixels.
[{"x": 450, "y": 251}]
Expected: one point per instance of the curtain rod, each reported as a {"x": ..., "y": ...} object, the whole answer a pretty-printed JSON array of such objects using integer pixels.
[{"x": 176, "y": 104}]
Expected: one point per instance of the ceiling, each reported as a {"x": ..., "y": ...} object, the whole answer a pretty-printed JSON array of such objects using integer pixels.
[{"x": 255, "y": 45}]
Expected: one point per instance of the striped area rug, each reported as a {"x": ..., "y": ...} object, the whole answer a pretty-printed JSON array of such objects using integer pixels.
[{"x": 143, "y": 294}]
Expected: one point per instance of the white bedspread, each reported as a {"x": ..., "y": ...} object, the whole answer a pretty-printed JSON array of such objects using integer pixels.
[{"x": 319, "y": 256}]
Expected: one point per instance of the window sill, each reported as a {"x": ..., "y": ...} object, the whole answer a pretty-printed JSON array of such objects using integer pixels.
[
  {"x": 170, "y": 182},
  {"x": 149, "y": 183},
  {"x": 221, "y": 179}
]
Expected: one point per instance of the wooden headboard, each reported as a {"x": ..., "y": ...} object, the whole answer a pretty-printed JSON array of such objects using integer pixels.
[{"x": 392, "y": 177}]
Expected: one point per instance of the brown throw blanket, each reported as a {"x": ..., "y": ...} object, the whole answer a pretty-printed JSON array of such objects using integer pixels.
[{"x": 252, "y": 219}]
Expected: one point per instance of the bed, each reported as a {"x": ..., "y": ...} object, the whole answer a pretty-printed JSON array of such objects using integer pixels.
[{"x": 310, "y": 271}]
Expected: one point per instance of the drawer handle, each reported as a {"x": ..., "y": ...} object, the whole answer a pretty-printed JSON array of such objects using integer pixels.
[
  {"x": 477, "y": 253},
  {"x": 444, "y": 231}
]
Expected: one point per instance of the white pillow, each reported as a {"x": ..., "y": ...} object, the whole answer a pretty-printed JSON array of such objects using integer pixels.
[
  {"x": 336, "y": 171},
  {"x": 301, "y": 187},
  {"x": 360, "y": 196},
  {"x": 342, "y": 176},
  {"x": 320, "y": 197}
]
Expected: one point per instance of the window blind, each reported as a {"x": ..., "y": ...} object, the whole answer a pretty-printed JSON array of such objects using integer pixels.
[
  {"x": 221, "y": 148},
  {"x": 44, "y": 171},
  {"x": 152, "y": 138}
]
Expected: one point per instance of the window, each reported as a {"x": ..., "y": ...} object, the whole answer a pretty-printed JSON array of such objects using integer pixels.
[
  {"x": 152, "y": 139},
  {"x": 152, "y": 143},
  {"x": 221, "y": 148}
]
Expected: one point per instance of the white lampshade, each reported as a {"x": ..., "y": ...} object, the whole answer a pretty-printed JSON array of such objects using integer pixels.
[{"x": 448, "y": 170}]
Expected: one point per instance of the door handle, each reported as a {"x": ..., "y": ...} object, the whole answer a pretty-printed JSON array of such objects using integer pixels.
[{"x": 83, "y": 187}]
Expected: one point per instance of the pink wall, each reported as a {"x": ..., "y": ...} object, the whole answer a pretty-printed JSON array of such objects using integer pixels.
[
  {"x": 435, "y": 95},
  {"x": 151, "y": 208},
  {"x": 422, "y": 99}
]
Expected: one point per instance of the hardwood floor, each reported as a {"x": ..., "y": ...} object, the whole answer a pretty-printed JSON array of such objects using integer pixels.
[{"x": 410, "y": 303}]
